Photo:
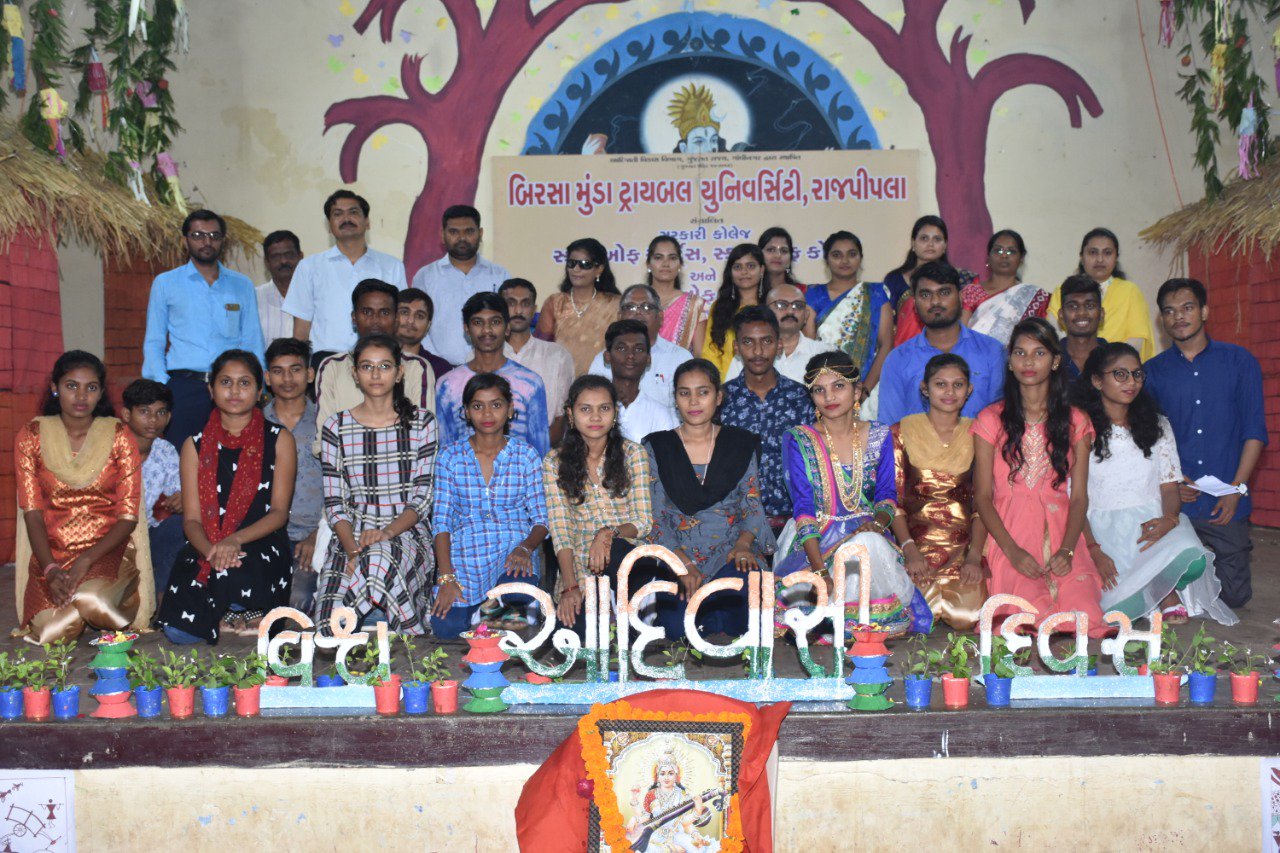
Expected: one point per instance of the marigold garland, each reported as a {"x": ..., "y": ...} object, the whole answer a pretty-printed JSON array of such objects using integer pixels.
[{"x": 597, "y": 765}]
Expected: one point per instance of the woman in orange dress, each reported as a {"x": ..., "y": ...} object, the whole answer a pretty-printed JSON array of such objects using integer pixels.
[
  {"x": 577, "y": 316},
  {"x": 82, "y": 557}
]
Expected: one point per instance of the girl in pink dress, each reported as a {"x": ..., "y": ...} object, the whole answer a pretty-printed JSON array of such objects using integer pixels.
[{"x": 1031, "y": 468}]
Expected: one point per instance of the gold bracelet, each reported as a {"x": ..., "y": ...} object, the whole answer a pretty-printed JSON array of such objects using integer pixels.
[{"x": 447, "y": 579}]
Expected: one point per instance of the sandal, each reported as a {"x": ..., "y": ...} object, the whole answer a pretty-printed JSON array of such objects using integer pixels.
[
  {"x": 491, "y": 613},
  {"x": 249, "y": 620},
  {"x": 513, "y": 620},
  {"x": 233, "y": 621},
  {"x": 1176, "y": 615}
]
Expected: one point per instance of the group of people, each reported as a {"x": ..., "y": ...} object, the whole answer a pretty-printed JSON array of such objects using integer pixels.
[{"x": 405, "y": 455}]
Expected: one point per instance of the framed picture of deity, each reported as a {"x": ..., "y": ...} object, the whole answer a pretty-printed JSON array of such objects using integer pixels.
[{"x": 663, "y": 781}]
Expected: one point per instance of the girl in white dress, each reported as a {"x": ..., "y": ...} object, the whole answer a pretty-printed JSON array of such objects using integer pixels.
[{"x": 1135, "y": 520}]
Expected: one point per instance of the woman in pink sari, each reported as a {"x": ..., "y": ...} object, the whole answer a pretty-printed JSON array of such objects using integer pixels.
[
  {"x": 1031, "y": 473},
  {"x": 684, "y": 314}
]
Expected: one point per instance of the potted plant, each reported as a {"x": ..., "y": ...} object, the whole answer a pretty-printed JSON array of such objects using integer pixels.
[
  {"x": 1243, "y": 665},
  {"x": 66, "y": 696},
  {"x": 144, "y": 677},
  {"x": 36, "y": 698},
  {"x": 287, "y": 654},
  {"x": 216, "y": 681},
  {"x": 386, "y": 692},
  {"x": 1166, "y": 670},
  {"x": 11, "y": 685},
  {"x": 179, "y": 674},
  {"x": 1202, "y": 668},
  {"x": 955, "y": 670},
  {"x": 999, "y": 682},
  {"x": 249, "y": 673},
  {"x": 429, "y": 670},
  {"x": 919, "y": 667}
]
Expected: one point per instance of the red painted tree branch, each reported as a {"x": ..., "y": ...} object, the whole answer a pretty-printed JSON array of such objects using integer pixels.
[
  {"x": 387, "y": 10},
  {"x": 1023, "y": 69}
]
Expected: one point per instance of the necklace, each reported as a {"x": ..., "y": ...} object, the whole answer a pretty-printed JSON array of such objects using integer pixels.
[
  {"x": 573, "y": 303},
  {"x": 939, "y": 435},
  {"x": 715, "y": 433},
  {"x": 848, "y": 483}
]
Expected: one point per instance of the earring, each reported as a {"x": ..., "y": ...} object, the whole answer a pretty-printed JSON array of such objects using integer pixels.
[
  {"x": 514, "y": 415},
  {"x": 55, "y": 393}
]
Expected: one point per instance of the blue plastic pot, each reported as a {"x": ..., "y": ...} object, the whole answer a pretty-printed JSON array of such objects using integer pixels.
[
  {"x": 919, "y": 691},
  {"x": 66, "y": 703},
  {"x": 416, "y": 694},
  {"x": 149, "y": 702},
  {"x": 213, "y": 701},
  {"x": 997, "y": 690},
  {"x": 1201, "y": 687},
  {"x": 10, "y": 703},
  {"x": 329, "y": 681}
]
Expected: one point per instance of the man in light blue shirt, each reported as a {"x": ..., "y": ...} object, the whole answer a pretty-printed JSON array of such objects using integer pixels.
[
  {"x": 320, "y": 294},
  {"x": 454, "y": 279},
  {"x": 936, "y": 287},
  {"x": 194, "y": 314}
]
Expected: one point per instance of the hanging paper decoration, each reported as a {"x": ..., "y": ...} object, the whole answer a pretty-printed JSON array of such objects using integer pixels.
[
  {"x": 1275, "y": 46},
  {"x": 135, "y": 182},
  {"x": 1166, "y": 23},
  {"x": 17, "y": 75},
  {"x": 1222, "y": 19},
  {"x": 182, "y": 27},
  {"x": 169, "y": 169},
  {"x": 150, "y": 103},
  {"x": 97, "y": 82},
  {"x": 53, "y": 109},
  {"x": 1249, "y": 142},
  {"x": 1218, "y": 73},
  {"x": 137, "y": 18}
]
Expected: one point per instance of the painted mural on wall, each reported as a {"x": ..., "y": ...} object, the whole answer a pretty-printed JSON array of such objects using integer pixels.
[{"x": 693, "y": 82}]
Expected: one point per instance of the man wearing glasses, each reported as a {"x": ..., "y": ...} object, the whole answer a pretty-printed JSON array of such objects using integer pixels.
[
  {"x": 788, "y": 305},
  {"x": 196, "y": 312},
  {"x": 641, "y": 302}
]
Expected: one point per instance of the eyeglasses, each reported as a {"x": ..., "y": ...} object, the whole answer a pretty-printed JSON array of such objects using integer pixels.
[
  {"x": 368, "y": 367},
  {"x": 638, "y": 308},
  {"x": 1122, "y": 375},
  {"x": 782, "y": 305},
  {"x": 1004, "y": 251},
  {"x": 580, "y": 264},
  {"x": 211, "y": 236}
]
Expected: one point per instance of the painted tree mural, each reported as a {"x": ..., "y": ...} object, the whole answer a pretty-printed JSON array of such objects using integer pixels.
[{"x": 454, "y": 122}]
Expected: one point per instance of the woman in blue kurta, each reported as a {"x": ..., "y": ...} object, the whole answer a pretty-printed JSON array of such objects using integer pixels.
[
  {"x": 490, "y": 514},
  {"x": 851, "y": 315},
  {"x": 840, "y": 472}
]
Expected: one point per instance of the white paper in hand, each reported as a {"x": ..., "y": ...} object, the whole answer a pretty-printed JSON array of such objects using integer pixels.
[{"x": 1211, "y": 485}]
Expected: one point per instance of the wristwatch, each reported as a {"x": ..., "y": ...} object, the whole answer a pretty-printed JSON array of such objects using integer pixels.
[{"x": 1242, "y": 488}]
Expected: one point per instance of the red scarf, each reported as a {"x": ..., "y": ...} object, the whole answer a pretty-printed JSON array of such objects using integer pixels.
[{"x": 244, "y": 485}]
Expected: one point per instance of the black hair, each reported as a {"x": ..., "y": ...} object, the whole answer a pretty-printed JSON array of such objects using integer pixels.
[
  {"x": 282, "y": 347},
  {"x": 338, "y": 195},
  {"x": 653, "y": 245},
  {"x": 373, "y": 285},
  {"x": 1012, "y": 235},
  {"x": 1076, "y": 284},
  {"x": 68, "y": 362},
  {"x": 605, "y": 282},
  {"x": 1115, "y": 241},
  {"x": 939, "y": 272},
  {"x": 412, "y": 294},
  {"x": 1173, "y": 285},
  {"x": 1058, "y": 416},
  {"x": 513, "y": 283},
  {"x": 944, "y": 360},
  {"x": 484, "y": 301},
  {"x": 837, "y": 359},
  {"x": 768, "y": 235},
  {"x": 460, "y": 211},
  {"x": 756, "y": 314},
  {"x": 727, "y": 300},
  {"x": 571, "y": 471},
  {"x": 280, "y": 237},
  {"x": 618, "y": 328},
  {"x": 923, "y": 222},
  {"x": 829, "y": 243},
  {"x": 240, "y": 356},
  {"x": 1144, "y": 414},
  {"x": 484, "y": 382},
  {"x": 203, "y": 215},
  {"x": 403, "y": 405},
  {"x": 145, "y": 392},
  {"x": 697, "y": 365}
]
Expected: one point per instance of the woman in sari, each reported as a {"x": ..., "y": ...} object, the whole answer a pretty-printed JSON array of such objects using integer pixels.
[
  {"x": 850, "y": 315},
  {"x": 82, "y": 558},
  {"x": 940, "y": 534},
  {"x": 684, "y": 320},
  {"x": 587, "y": 303},
  {"x": 996, "y": 305},
  {"x": 928, "y": 243},
  {"x": 840, "y": 473}
]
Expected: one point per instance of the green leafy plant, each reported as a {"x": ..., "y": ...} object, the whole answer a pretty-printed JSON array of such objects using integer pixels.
[
  {"x": 429, "y": 668},
  {"x": 58, "y": 662},
  {"x": 1201, "y": 654},
  {"x": 179, "y": 670},
  {"x": 250, "y": 670},
  {"x": 220, "y": 671},
  {"x": 1168, "y": 662},
  {"x": 34, "y": 674},
  {"x": 920, "y": 660},
  {"x": 960, "y": 650},
  {"x": 1001, "y": 658},
  {"x": 144, "y": 671},
  {"x": 679, "y": 652},
  {"x": 1241, "y": 661},
  {"x": 11, "y": 670}
]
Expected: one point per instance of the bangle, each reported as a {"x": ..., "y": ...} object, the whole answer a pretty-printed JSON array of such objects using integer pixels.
[
  {"x": 1070, "y": 553},
  {"x": 1093, "y": 545},
  {"x": 906, "y": 542},
  {"x": 573, "y": 588},
  {"x": 447, "y": 578},
  {"x": 526, "y": 549},
  {"x": 50, "y": 569}
]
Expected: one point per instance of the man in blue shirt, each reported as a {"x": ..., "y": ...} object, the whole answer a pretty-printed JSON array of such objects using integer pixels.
[
  {"x": 1212, "y": 394},
  {"x": 194, "y": 314},
  {"x": 936, "y": 288},
  {"x": 1080, "y": 316}
]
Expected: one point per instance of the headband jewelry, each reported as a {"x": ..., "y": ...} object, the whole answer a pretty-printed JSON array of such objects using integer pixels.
[{"x": 842, "y": 371}]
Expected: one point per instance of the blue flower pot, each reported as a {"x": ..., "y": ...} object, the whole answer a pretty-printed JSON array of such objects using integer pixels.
[
  {"x": 919, "y": 691},
  {"x": 997, "y": 690},
  {"x": 329, "y": 681},
  {"x": 416, "y": 694},
  {"x": 613, "y": 675},
  {"x": 66, "y": 703},
  {"x": 10, "y": 703},
  {"x": 213, "y": 701},
  {"x": 149, "y": 702},
  {"x": 1092, "y": 671},
  {"x": 1202, "y": 687}
]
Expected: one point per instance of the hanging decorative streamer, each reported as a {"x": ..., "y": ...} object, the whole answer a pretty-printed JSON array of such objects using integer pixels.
[
  {"x": 17, "y": 75},
  {"x": 182, "y": 27},
  {"x": 1249, "y": 142},
  {"x": 150, "y": 103},
  {"x": 1218, "y": 73},
  {"x": 135, "y": 182},
  {"x": 97, "y": 81},
  {"x": 169, "y": 169},
  {"x": 1222, "y": 19},
  {"x": 53, "y": 109},
  {"x": 137, "y": 18},
  {"x": 1166, "y": 23},
  {"x": 1275, "y": 46}
]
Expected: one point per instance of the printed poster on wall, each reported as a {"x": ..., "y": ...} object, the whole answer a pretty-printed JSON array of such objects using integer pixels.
[
  {"x": 37, "y": 811},
  {"x": 709, "y": 202}
]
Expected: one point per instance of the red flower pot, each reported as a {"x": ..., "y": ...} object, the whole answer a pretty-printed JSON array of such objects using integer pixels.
[
  {"x": 1244, "y": 688},
  {"x": 248, "y": 700},
  {"x": 869, "y": 642},
  {"x": 955, "y": 691},
  {"x": 386, "y": 696},
  {"x": 182, "y": 701},
  {"x": 534, "y": 678},
  {"x": 277, "y": 681},
  {"x": 484, "y": 649},
  {"x": 37, "y": 704},
  {"x": 1168, "y": 687},
  {"x": 444, "y": 697}
]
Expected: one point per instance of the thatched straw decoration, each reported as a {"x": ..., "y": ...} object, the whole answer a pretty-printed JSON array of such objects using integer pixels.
[{"x": 1243, "y": 218}]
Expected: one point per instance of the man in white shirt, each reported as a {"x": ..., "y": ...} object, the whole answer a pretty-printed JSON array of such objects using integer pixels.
[
  {"x": 551, "y": 361},
  {"x": 322, "y": 285},
  {"x": 641, "y": 302},
  {"x": 626, "y": 354},
  {"x": 455, "y": 278},
  {"x": 788, "y": 305},
  {"x": 281, "y": 251}
]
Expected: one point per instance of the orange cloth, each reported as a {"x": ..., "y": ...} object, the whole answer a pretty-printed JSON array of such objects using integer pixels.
[
  {"x": 551, "y": 816},
  {"x": 583, "y": 336}
]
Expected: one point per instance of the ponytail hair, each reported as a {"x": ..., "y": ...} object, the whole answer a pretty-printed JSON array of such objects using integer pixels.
[{"x": 403, "y": 406}]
